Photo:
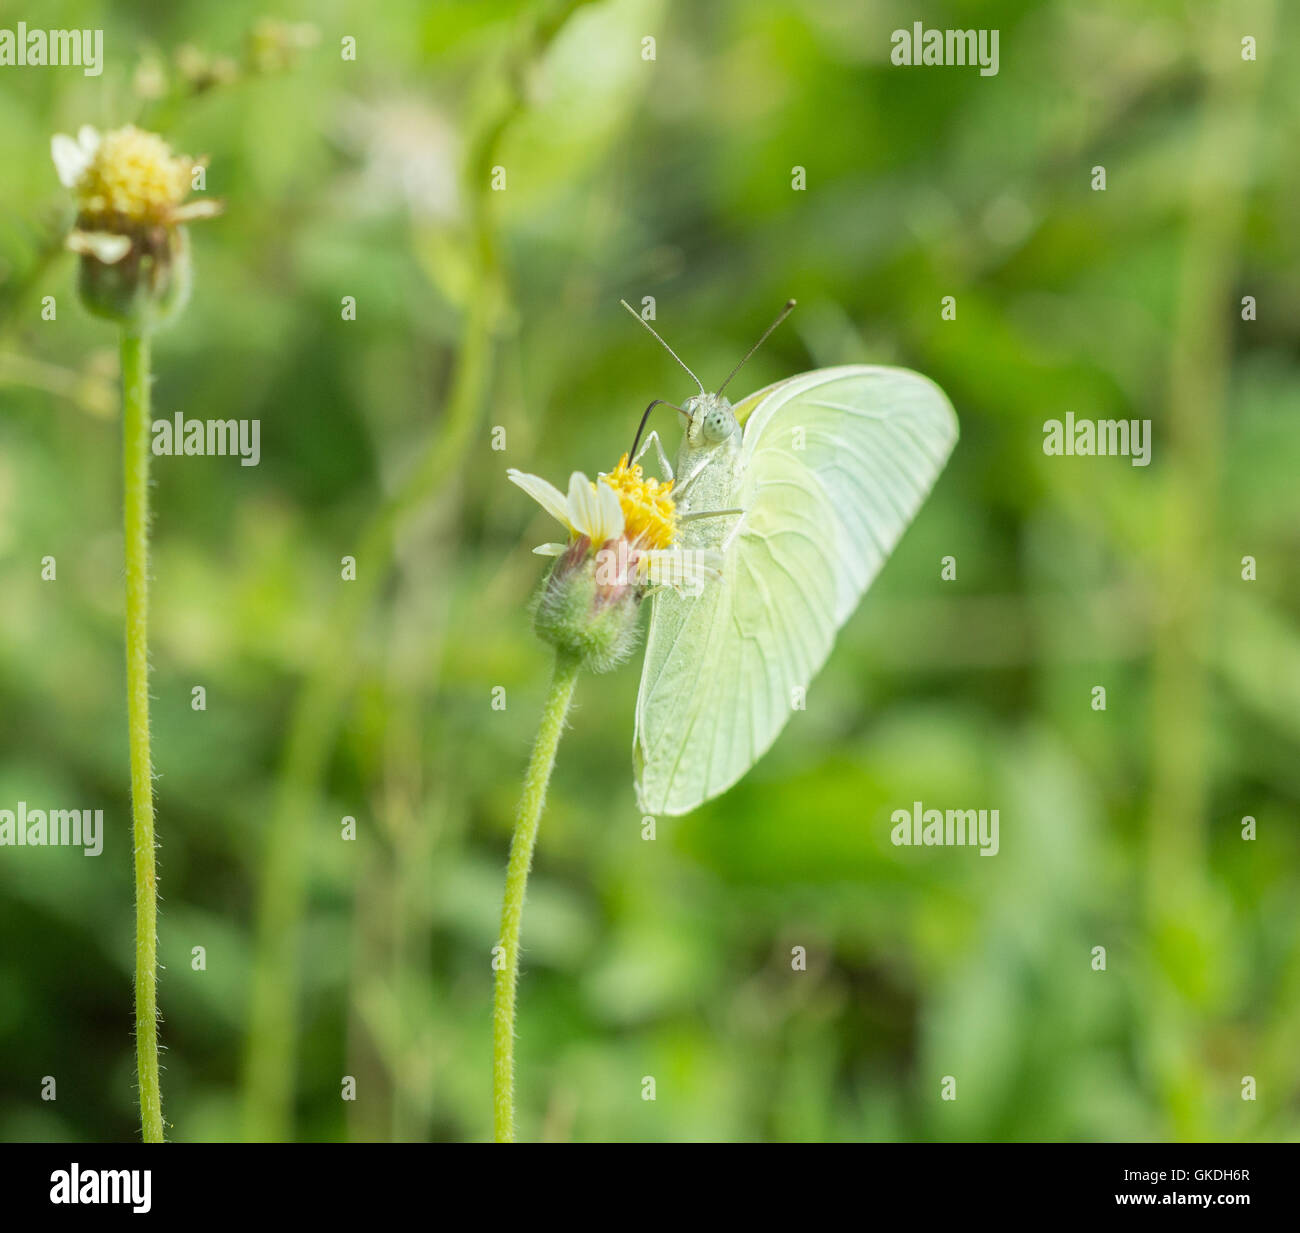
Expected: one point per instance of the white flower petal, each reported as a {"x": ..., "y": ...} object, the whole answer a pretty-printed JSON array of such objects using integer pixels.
[
  {"x": 551, "y": 550},
  {"x": 611, "y": 511},
  {"x": 88, "y": 140},
  {"x": 70, "y": 161},
  {"x": 547, "y": 495},
  {"x": 583, "y": 511},
  {"x": 105, "y": 246},
  {"x": 595, "y": 514}
]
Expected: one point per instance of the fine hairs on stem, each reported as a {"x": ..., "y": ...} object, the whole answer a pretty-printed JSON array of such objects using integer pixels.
[
  {"x": 135, "y": 457},
  {"x": 524, "y": 840},
  {"x": 135, "y": 270},
  {"x": 270, "y": 1062}
]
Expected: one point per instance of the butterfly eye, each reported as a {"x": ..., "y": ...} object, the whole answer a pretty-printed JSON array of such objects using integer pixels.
[{"x": 719, "y": 424}]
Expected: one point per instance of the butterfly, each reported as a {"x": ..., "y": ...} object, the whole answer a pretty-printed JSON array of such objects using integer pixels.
[{"x": 803, "y": 488}]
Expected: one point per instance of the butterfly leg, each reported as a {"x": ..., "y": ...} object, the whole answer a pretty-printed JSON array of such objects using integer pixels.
[
  {"x": 708, "y": 513},
  {"x": 667, "y": 469},
  {"x": 680, "y": 490},
  {"x": 738, "y": 514}
]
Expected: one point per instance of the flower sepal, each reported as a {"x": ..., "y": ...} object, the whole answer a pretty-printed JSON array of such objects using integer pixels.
[
  {"x": 586, "y": 607},
  {"x": 145, "y": 287}
]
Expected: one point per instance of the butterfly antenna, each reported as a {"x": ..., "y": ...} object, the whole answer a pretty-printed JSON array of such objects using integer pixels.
[
  {"x": 781, "y": 316},
  {"x": 663, "y": 344}
]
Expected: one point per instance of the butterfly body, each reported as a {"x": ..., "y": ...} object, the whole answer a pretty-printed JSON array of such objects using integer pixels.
[
  {"x": 804, "y": 487},
  {"x": 708, "y": 471}
]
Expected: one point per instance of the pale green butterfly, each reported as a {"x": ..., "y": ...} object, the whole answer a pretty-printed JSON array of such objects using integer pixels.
[{"x": 804, "y": 488}]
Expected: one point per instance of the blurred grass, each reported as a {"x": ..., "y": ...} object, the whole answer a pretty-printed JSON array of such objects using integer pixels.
[{"x": 670, "y": 178}]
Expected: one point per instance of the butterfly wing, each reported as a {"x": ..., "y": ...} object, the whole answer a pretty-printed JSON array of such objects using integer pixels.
[{"x": 834, "y": 465}]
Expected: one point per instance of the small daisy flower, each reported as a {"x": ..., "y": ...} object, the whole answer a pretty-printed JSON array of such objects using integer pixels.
[
  {"x": 125, "y": 180},
  {"x": 625, "y": 513},
  {"x": 130, "y": 194},
  {"x": 590, "y": 511},
  {"x": 647, "y": 505},
  {"x": 622, "y": 541}
]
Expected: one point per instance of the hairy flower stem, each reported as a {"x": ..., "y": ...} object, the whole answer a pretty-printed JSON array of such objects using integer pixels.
[
  {"x": 269, "y": 1077},
  {"x": 536, "y": 780},
  {"x": 135, "y": 455}
]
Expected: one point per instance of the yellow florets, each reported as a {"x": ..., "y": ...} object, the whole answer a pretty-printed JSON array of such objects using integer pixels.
[
  {"x": 649, "y": 514},
  {"x": 134, "y": 177}
]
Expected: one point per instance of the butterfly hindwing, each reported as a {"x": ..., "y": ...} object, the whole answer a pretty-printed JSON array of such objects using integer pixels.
[{"x": 835, "y": 463}]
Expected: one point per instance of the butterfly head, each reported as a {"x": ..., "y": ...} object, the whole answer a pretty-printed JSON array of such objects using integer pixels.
[{"x": 712, "y": 419}]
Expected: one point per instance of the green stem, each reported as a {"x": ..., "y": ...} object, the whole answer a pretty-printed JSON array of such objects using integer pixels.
[
  {"x": 521, "y": 860},
  {"x": 135, "y": 454},
  {"x": 272, "y": 1037}
]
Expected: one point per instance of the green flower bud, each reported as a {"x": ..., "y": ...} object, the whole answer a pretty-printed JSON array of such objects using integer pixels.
[
  {"x": 147, "y": 287},
  {"x": 135, "y": 251},
  {"x": 586, "y": 607}
]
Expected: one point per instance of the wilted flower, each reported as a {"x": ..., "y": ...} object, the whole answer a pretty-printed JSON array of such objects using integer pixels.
[
  {"x": 622, "y": 532},
  {"x": 130, "y": 192}
]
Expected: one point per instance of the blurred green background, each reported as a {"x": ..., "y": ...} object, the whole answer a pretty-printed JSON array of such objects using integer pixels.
[{"x": 671, "y": 178}]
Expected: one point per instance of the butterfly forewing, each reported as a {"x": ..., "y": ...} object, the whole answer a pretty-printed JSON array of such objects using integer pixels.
[{"x": 835, "y": 464}]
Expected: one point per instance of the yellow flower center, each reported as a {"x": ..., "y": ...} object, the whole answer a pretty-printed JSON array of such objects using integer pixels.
[
  {"x": 133, "y": 176},
  {"x": 649, "y": 515}
]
